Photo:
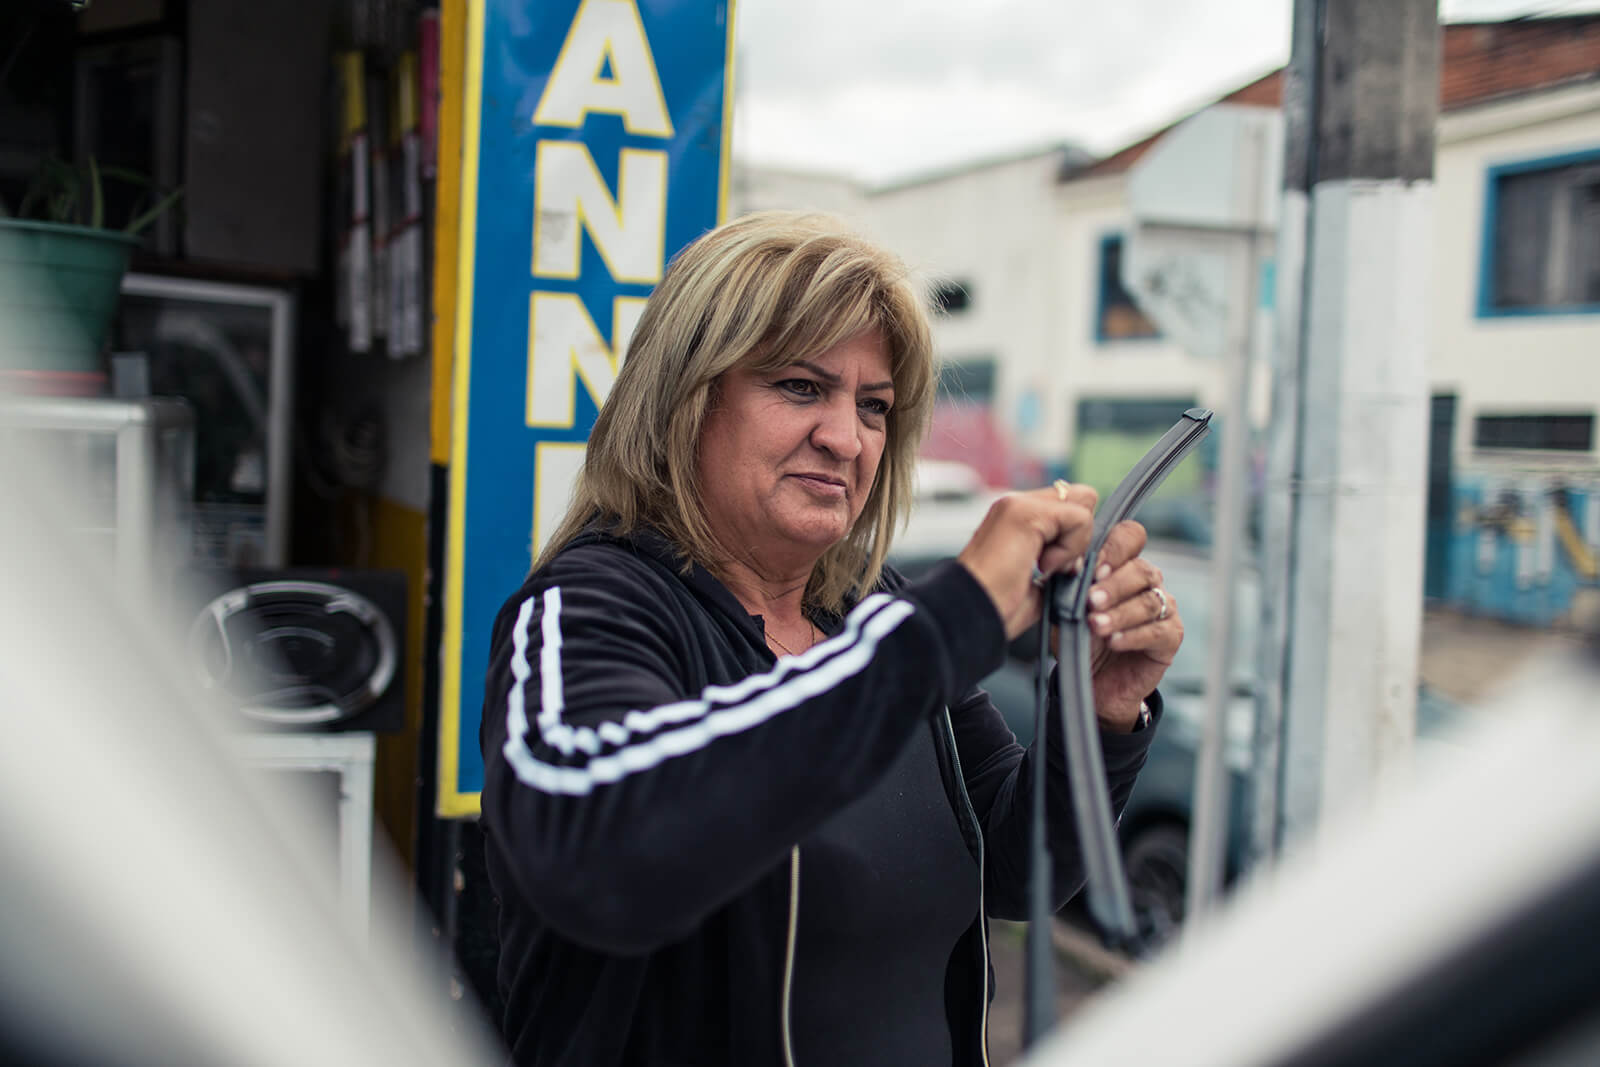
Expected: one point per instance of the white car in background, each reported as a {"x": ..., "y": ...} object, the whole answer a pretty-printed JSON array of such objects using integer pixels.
[{"x": 950, "y": 502}]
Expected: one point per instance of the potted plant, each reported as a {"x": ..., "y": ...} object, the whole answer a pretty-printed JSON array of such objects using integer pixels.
[{"x": 61, "y": 269}]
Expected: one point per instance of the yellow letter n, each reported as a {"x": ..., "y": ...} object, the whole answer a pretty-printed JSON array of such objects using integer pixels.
[
  {"x": 570, "y": 196},
  {"x": 563, "y": 346}
]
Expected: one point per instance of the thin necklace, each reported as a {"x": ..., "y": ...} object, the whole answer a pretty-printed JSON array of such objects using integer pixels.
[{"x": 811, "y": 630}]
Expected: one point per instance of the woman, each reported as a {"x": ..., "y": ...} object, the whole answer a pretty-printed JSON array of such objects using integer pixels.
[{"x": 743, "y": 801}]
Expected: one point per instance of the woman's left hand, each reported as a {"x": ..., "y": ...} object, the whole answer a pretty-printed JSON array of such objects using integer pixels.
[{"x": 1134, "y": 626}]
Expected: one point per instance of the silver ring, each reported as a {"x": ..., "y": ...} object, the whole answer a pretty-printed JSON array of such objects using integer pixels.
[
  {"x": 1060, "y": 485},
  {"x": 1038, "y": 578},
  {"x": 1156, "y": 589}
]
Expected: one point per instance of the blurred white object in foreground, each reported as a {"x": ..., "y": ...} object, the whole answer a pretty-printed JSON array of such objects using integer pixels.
[
  {"x": 1456, "y": 925},
  {"x": 159, "y": 906}
]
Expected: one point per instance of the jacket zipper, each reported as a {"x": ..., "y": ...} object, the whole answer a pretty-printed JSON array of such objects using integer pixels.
[
  {"x": 788, "y": 952},
  {"x": 983, "y": 925},
  {"x": 983, "y": 920}
]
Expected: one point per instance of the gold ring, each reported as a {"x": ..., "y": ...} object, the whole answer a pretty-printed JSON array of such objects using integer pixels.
[
  {"x": 1061, "y": 488},
  {"x": 1156, "y": 589}
]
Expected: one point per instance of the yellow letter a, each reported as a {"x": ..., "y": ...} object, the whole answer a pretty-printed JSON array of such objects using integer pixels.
[{"x": 605, "y": 31}]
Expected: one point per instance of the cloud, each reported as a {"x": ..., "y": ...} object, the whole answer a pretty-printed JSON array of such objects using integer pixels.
[
  {"x": 883, "y": 88},
  {"x": 880, "y": 89},
  {"x": 881, "y": 131}
]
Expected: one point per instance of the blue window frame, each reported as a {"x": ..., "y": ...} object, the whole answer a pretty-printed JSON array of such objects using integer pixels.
[
  {"x": 1116, "y": 316},
  {"x": 1541, "y": 237}
]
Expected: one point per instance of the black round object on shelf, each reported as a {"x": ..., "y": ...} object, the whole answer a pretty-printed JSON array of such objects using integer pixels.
[{"x": 295, "y": 652}]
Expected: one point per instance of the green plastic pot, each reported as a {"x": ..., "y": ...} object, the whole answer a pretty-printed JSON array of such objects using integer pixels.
[{"x": 58, "y": 292}]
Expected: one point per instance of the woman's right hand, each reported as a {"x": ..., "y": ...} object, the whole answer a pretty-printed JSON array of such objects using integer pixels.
[{"x": 1044, "y": 531}]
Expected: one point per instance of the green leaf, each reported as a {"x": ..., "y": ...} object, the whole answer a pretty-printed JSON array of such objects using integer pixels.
[
  {"x": 123, "y": 174},
  {"x": 154, "y": 212}
]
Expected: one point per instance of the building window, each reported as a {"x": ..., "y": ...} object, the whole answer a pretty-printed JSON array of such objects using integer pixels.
[
  {"x": 1117, "y": 317},
  {"x": 968, "y": 381},
  {"x": 1542, "y": 237},
  {"x": 952, "y": 298},
  {"x": 1552, "y": 433},
  {"x": 1113, "y": 433}
]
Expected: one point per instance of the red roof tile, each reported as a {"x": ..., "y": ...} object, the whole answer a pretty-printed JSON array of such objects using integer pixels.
[{"x": 1480, "y": 62}]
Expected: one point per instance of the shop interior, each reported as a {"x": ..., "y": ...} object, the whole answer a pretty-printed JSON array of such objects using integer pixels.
[{"x": 280, "y": 164}]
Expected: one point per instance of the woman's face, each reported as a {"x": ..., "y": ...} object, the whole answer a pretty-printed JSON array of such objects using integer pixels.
[{"x": 788, "y": 457}]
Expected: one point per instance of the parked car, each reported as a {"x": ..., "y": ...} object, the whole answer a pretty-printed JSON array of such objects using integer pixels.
[{"x": 1154, "y": 829}]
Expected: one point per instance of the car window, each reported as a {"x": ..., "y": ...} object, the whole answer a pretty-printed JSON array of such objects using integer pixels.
[{"x": 1187, "y": 576}]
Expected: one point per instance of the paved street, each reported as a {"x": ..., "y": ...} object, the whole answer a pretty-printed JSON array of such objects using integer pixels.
[
  {"x": 1465, "y": 656},
  {"x": 1075, "y": 981}
]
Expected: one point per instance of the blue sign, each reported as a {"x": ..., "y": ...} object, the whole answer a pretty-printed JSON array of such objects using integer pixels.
[{"x": 595, "y": 145}]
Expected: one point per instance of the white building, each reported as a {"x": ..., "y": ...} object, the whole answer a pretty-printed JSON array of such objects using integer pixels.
[{"x": 1040, "y": 331}]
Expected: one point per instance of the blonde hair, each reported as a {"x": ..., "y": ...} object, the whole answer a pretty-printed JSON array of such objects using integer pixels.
[{"x": 764, "y": 291}]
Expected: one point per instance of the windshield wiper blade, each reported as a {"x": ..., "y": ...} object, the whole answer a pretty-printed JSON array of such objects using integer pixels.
[
  {"x": 1110, "y": 906},
  {"x": 1107, "y": 882}
]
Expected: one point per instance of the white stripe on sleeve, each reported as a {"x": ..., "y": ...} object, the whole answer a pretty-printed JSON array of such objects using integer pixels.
[{"x": 718, "y": 712}]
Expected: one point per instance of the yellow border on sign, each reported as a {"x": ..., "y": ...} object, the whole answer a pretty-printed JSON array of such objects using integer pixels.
[
  {"x": 451, "y": 802},
  {"x": 724, "y": 166},
  {"x": 447, "y": 223}
]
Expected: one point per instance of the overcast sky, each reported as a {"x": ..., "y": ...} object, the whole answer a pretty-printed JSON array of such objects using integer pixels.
[{"x": 884, "y": 89}]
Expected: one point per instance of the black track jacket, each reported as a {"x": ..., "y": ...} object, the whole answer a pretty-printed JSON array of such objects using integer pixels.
[{"x": 649, "y": 771}]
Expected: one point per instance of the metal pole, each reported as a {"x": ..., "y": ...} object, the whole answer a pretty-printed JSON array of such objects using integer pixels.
[
  {"x": 1283, "y": 430},
  {"x": 1354, "y": 596},
  {"x": 1209, "y": 834}
]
